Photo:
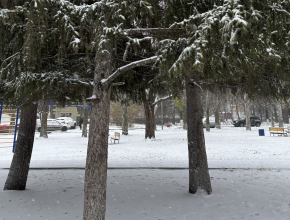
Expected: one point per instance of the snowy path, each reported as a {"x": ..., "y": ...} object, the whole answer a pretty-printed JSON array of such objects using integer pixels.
[
  {"x": 229, "y": 147},
  {"x": 152, "y": 194}
]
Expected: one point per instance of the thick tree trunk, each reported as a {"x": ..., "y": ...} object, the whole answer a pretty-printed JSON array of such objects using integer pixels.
[
  {"x": 125, "y": 120},
  {"x": 85, "y": 118},
  {"x": 280, "y": 115},
  {"x": 44, "y": 114},
  {"x": 19, "y": 168},
  {"x": 198, "y": 168},
  {"x": 150, "y": 121},
  {"x": 97, "y": 153}
]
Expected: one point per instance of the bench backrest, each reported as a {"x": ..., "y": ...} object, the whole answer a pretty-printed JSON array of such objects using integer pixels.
[
  {"x": 117, "y": 134},
  {"x": 276, "y": 129}
]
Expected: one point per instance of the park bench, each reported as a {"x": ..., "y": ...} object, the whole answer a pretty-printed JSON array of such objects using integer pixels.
[
  {"x": 288, "y": 129},
  {"x": 116, "y": 137},
  {"x": 278, "y": 131}
]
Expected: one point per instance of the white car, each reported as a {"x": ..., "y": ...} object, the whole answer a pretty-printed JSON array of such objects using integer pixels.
[
  {"x": 211, "y": 122},
  {"x": 68, "y": 121},
  {"x": 52, "y": 125}
]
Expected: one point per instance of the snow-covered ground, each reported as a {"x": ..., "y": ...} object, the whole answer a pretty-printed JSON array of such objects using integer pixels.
[
  {"x": 228, "y": 147},
  {"x": 152, "y": 195},
  {"x": 261, "y": 192}
]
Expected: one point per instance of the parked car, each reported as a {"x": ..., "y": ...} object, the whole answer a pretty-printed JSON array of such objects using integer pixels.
[
  {"x": 52, "y": 125},
  {"x": 255, "y": 121},
  {"x": 211, "y": 122},
  {"x": 67, "y": 120}
]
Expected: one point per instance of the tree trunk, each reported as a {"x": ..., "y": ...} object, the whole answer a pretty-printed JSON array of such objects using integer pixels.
[
  {"x": 237, "y": 110},
  {"x": 276, "y": 114},
  {"x": 18, "y": 173},
  {"x": 44, "y": 114},
  {"x": 125, "y": 120},
  {"x": 216, "y": 115},
  {"x": 207, "y": 119},
  {"x": 198, "y": 168},
  {"x": 173, "y": 115},
  {"x": 185, "y": 124},
  {"x": 232, "y": 113},
  {"x": 280, "y": 115},
  {"x": 247, "y": 112},
  {"x": 272, "y": 115},
  {"x": 285, "y": 113},
  {"x": 97, "y": 153},
  {"x": 207, "y": 113},
  {"x": 85, "y": 118},
  {"x": 267, "y": 115},
  {"x": 150, "y": 122}
]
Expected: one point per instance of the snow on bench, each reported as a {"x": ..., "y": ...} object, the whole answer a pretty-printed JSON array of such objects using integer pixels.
[{"x": 278, "y": 131}]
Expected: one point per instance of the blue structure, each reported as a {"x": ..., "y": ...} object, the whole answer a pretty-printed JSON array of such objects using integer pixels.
[
  {"x": 15, "y": 131},
  {"x": 261, "y": 132}
]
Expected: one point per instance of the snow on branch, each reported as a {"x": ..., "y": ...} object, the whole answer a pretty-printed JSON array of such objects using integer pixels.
[
  {"x": 152, "y": 30},
  {"x": 124, "y": 69},
  {"x": 161, "y": 100}
]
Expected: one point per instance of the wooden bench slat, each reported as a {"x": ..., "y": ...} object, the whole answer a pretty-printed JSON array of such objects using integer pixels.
[
  {"x": 116, "y": 138},
  {"x": 274, "y": 130}
]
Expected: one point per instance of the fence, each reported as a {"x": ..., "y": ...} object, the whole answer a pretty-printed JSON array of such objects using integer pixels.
[{"x": 8, "y": 126}]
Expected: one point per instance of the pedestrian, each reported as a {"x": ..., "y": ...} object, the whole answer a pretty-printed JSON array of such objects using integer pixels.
[{"x": 81, "y": 122}]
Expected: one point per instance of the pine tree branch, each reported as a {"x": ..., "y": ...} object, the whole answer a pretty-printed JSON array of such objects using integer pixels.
[
  {"x": 161, "y": 100},
  {"x": 125, "y": 68},
  {"x": 152, "y": 30}
]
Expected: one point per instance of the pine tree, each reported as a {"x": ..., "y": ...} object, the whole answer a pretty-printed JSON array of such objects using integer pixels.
[{"x": 238, "y": 44}]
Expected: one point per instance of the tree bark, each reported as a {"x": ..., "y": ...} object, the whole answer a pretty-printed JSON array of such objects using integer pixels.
[
  {"x": 150, "y": 121},
  {"x": 97, "y": 153},
  {"x": 207, "y": 113},
  {"x": 272, "y": 115},
  {"x": 207, "y": 119},
  {"x": 247, "y": 111},
  {"x": 237, "y": 110},
  {"x": 85, "y": 118},
  {"x": 44, "y": 114},
  {"x": 198, "y": 168},
  {"x": 280, "y": 114},
  {"x": 173, "y": 115},
  {"x": 267, "y": 115},
  {"x": 217, "y": 116},
  {"x": 185, "y": 124},
  {"x": 18, "y": 173},
  {"x": 125, "y": 120}
]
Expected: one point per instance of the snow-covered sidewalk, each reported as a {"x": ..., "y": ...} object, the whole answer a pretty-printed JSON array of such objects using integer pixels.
[{"x": 152, "y": 194}]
